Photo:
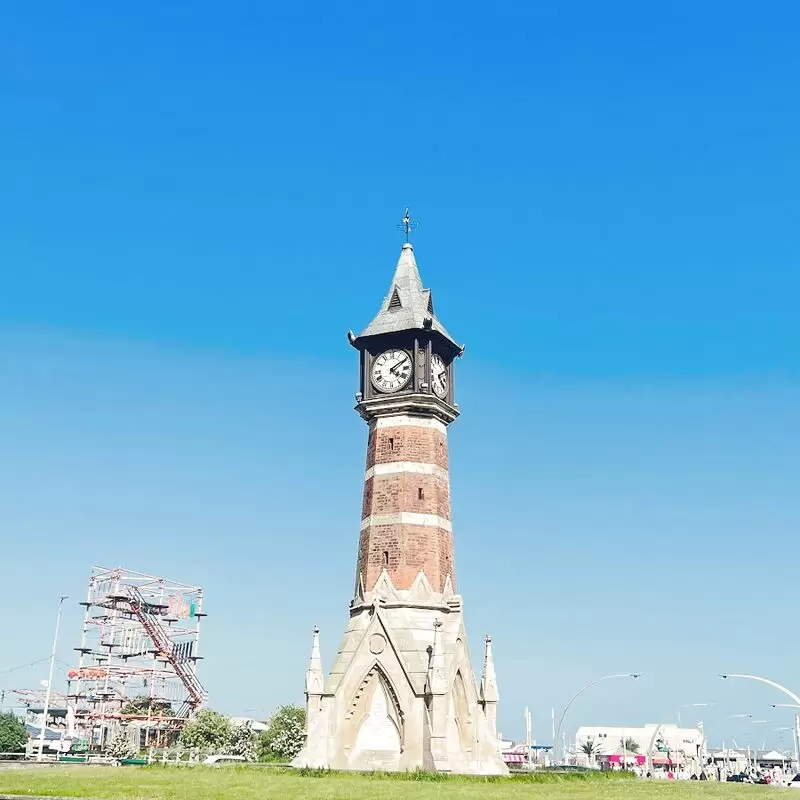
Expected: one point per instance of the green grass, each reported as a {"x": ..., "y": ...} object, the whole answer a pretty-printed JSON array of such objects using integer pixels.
[{"x": 243, "y": 783}]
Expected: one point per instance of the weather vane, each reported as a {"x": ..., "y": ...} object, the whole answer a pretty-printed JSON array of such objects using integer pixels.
[{"x": 407, "y": 225}]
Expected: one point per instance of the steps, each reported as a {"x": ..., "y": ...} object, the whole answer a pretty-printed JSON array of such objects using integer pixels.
[{"x": 165, "y": 649}]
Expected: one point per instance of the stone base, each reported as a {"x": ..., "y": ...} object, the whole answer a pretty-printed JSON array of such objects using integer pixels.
[{"x": 402, "y": 693}]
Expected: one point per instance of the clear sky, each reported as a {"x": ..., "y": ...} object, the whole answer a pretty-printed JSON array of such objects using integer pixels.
[{"x": 198, "y": 200}]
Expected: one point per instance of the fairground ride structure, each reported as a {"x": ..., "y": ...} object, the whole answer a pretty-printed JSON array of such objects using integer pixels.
[{"x": 138, "y": 658}]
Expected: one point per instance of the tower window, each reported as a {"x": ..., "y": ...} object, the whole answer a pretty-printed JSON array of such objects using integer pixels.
[
  {"x": 391, "y": 443},
  {"x": 385, "y": 558},
  {"x": 421, "y": 493}
]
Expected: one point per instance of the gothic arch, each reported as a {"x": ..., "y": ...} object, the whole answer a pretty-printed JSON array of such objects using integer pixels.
[
  {"x": 364, "y": 701},
  {"x": 461, "y": 714}
]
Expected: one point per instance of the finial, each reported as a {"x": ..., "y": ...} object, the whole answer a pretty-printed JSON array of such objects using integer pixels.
[
  {"x": 437, "y": 681},
  {"x": 314, "y": 676},
  {"x": 488, "y": 688},
  {"x": 407, "y": 225}
]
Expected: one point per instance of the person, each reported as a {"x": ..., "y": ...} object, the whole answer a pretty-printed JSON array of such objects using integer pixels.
[{"x": 703, "y": 776}]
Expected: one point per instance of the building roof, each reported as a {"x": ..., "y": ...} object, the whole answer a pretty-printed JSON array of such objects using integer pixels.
[
  {"x": 35, "y": 732},
  {"x": 743, "y": 753},
  {"x": 772, "y": 755},
  {"x": 407, "y": 305},
  {"x": 255, "y": 724},
  {"x": 669, "y": 730},
  {"x": 729, "y": 753},
  {"x": 51, "y": 712}
]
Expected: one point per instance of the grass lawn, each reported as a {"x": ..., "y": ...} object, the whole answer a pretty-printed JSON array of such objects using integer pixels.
[{"x": 242, "y": 783}]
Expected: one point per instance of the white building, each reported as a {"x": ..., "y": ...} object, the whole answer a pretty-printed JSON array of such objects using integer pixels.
[
  {"x": 671, "y": 745},
  {"x": 255, "y": 725}
]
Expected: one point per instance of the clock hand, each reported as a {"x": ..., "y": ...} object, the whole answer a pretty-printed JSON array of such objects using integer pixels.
[{"x": 396, "y": 367}]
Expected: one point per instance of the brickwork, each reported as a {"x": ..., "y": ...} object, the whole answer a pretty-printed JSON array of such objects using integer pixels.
[
  {"x": 407, "y": 443},
  {"x": 404, "y": 491},
  {"x": 404, "y": 548}
]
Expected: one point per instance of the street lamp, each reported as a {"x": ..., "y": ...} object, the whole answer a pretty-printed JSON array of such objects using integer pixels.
[
  {"x": 691, "y": 705},
  {"x": 700, "y": 747},
  {"x": 787, "y": 692},
  {"x": 578, "y": 694},
  {"x": 796, "y": 729},
  {"x": 50, "y": 679}
]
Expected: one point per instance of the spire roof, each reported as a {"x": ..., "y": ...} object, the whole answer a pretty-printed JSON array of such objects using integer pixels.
[
  {"x": 407, "y": 305},
  {"x": 489, "y": 692},
  {"x": 314, "y": 674}
]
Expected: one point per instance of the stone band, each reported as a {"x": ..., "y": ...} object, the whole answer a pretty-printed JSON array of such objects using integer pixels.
[
  {"x": 406, "y": 420},
  {"x": 415, "y": 467},
  {"x": 407, "y": 518}
]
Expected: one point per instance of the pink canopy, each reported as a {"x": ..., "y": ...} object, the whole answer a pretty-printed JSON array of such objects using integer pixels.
[{"x": 616, "y": 759}]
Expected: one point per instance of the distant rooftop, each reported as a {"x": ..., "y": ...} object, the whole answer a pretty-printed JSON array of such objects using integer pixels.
[{"x": 35, "y": 732}]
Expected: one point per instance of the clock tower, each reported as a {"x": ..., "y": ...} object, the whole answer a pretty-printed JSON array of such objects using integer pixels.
[
  {"x": 406, "y": 397},
  {"x": 402, "y": 694}
]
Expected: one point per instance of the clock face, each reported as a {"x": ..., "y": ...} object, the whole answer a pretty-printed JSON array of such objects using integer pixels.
[
  {"x": 438, "y": 376},
  {"x": 391, "y": 370}
]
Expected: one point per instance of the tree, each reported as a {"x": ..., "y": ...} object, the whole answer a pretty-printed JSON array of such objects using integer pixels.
[
  {"x": 285, "y": 736},
  {"x": 13, "y": 736},
  {"x": 591, "y": 749},
  {"x": 209, "y": 731},
  {"x": 243, "y": 741},
  {"x": 121, "y": 745},
  {"x": 629, "y": 745},
  {"x": 144, "y": 706}
]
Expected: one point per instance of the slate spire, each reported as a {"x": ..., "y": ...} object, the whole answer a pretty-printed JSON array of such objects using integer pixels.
[{"x": 407, "y": 305}]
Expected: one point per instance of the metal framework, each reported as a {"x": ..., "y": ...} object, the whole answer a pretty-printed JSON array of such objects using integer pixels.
[{"x": 140, "y": 643}]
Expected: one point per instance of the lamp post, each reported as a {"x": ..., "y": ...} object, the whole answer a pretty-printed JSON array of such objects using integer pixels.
[
  {"x": 528, "y": 736},
  {"x": 690, "y": 705},
  {"x": 49, "y": 691},
  {"x": 577, "y": 695},
  {"x": 795, "y": 729},
  {"x": 700, "y": 747},
  {"x": 780, "y": 731},
  {"x": 787, "y": 692}
]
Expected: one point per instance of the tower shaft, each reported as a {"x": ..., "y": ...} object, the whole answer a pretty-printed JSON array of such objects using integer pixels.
[{"x": 406, "y": 525}]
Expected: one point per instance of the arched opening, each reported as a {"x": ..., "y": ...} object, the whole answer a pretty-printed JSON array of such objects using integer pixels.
[
  {"x": 461, "y": 713},
  {"x": 377, "y": 732}
]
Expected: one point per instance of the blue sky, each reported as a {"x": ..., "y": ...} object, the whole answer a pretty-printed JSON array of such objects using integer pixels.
[{"x": 199, "y": 201}]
